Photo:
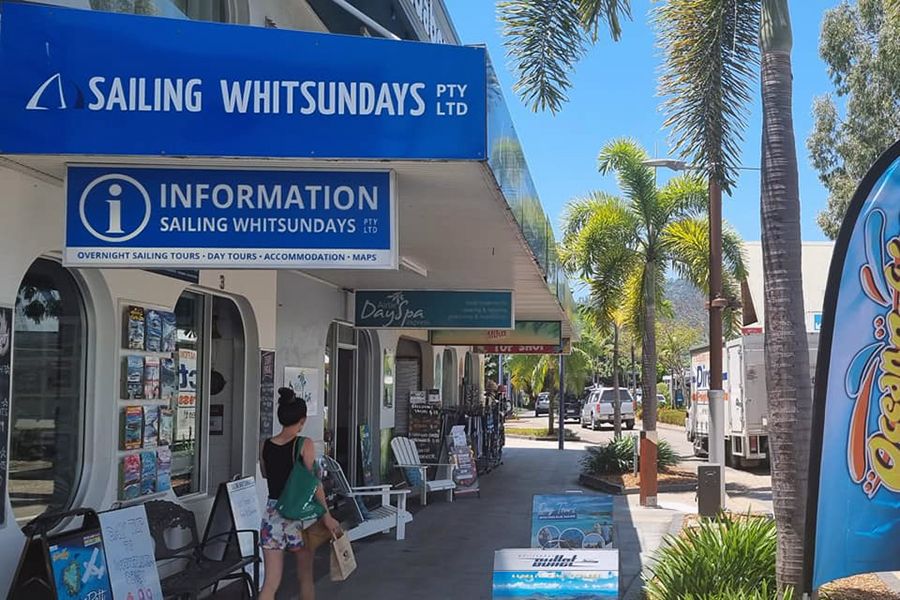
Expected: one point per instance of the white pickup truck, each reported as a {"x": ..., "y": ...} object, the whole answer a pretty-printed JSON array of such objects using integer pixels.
[{"x": 598, "y": 407}]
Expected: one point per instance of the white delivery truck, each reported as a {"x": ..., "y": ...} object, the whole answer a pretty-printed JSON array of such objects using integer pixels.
[{"x": 746, "y": 406}]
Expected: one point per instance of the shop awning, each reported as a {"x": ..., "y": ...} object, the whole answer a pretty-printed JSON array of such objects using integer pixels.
[{"x": 99, "y": 88}]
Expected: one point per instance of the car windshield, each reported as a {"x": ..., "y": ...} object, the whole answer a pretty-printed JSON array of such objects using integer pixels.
[{"x": 610, "y": 395}]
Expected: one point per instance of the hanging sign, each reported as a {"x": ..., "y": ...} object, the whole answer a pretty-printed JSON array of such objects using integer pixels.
[
  {"x": 517, "y": 349},
  {"x": 854, "y": 499},
  {"x": 562, "y": 574},
  {"x": 425, "y": 309},
  {"x": 526, "y": 333},
  {"x": 187, "y": 88},
  {"x": 229, "y": 218}
]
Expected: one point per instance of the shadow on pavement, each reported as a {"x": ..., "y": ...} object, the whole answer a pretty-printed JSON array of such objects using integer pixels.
[{"x": 449, "y": 549}]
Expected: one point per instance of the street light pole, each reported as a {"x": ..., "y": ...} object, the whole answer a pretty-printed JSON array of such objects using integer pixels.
[
  {"x": 716, "y": 342},
  {"x": 562, "y": 402}
]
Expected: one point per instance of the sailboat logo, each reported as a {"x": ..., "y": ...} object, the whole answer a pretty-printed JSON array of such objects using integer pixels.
[{"x": 48, "y": 89}]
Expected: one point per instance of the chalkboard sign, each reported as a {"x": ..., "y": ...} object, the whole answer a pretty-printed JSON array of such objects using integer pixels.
[
  {"x": 425, "y": 430},
  {"x": 465, "y": 472},
  {"x": 6, "y": 333},
  {"x": 129, "y": 553},
  {"x": 365, "y": 452},
  {"x": 266, "y": 393}
]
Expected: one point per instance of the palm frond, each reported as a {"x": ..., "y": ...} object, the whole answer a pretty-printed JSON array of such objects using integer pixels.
[
  {"x": 544, "y": 39},
  {"x": 627, "y": 159},
  {"x": 711, "y": 57},
  {"x": 684, "y": 195},
  {"x": 592, "y": 12}
]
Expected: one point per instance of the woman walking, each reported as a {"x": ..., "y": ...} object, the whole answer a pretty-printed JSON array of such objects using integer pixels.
[{"x": 279, "y": 534}]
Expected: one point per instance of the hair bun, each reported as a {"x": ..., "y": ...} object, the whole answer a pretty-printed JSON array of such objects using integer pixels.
[{"x": 286, "y": 395}]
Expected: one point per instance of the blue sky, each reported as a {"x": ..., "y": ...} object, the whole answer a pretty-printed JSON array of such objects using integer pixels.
[{"x": 614, "y": 94}]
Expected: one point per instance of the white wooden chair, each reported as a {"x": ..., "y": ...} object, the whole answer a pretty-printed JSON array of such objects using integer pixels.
[
  {"x": 407, "y": 456},
  {"x": 378, "y": 520}
]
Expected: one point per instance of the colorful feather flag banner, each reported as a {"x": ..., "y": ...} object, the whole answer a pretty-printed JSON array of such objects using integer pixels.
[{"x": 853, "y": 523}]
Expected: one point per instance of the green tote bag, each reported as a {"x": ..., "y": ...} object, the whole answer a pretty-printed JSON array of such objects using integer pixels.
[{"x": 297, "y": 501}]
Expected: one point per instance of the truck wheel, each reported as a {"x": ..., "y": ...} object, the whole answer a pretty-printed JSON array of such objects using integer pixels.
[{"x": 629, "y": 424}]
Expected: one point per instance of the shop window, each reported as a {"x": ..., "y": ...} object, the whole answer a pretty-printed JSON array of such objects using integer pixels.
[
  {"x": 189, "y": 318},
  {"x": 48, "y": 375},
  {"x": 200, "y": 10}
]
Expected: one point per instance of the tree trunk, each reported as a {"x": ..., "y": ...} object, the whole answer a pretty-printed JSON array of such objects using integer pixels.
[
  {"x": 648, "y": 375},
  {"x": 788, "y": 383},
  {"x": 617, "y": 405}
]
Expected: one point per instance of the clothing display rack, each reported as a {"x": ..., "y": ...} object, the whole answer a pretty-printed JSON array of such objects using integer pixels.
[{"x": 485, "y": 427}]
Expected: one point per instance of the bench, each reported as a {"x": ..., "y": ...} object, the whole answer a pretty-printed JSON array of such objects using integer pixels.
[
  {"x": 198, "y": 570},
  {"x": 381, "y": 519},
  {"x": 416, "y": 472}
]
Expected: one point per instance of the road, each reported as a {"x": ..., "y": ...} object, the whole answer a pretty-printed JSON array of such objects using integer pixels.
[{"x": 746, "y": 489}]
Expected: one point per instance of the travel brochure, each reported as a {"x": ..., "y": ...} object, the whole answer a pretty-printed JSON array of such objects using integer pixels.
[
  {"x": 133, "y": 428},
  {"x": 150, "y": 330},
  {"x": 78, "y": 562},
  {"x": 144, "y": 473}
]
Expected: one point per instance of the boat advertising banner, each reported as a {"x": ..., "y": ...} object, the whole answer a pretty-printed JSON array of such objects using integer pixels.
[
  {"x": 526, "y": 333},
  {"x": 230, "y": 218},
  {"x": 572, "y": 521},
  {"x": 555, "y": 574},
  {"x": 170, "y": 87},
  {"x": 427, "y": 309},
  {"x": 854, "y": 510}
]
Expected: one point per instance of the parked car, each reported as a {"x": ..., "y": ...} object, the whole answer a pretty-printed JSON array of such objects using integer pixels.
[
  {"x": 599, "y": 408},
  {"x": 542, "y": 404},
  {"x": 573, "y": 407}
]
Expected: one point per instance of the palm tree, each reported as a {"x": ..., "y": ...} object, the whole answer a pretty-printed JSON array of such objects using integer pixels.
[
  {"x": 712, "y": 49},
  {"x": 621, "y": 247}
]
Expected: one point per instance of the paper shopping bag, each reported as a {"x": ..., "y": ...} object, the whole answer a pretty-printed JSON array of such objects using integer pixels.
[{"x": 343, "y": 562}]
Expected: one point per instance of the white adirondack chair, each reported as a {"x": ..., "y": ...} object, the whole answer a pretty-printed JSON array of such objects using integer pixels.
[
  {"x": 379, "y": 520},
  {"x": 407, "y": 456}
]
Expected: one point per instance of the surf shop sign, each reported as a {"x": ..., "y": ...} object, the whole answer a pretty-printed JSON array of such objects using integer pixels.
[{"x": 854, "y": 501}]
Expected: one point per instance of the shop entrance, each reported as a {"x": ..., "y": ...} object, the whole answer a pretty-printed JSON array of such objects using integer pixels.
[
  {"x": 349, "y": 396},
  {"x": 408, "y": 379},
  {"x": 226, "y": 391}
]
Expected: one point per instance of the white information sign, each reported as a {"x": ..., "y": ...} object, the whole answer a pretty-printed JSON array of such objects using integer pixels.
[
  {"x": 562, "y": 574},
  {"x": 244, "y": 502},
  {"x": 129, "y": 553}
]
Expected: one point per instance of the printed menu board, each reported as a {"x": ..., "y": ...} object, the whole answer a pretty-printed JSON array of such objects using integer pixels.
[
  {"x": 425, "y": 430},
  {"x": 129, "y": 553}
]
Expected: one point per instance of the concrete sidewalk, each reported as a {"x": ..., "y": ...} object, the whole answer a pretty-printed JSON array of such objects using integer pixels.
[{"x": 449, "y": 550}]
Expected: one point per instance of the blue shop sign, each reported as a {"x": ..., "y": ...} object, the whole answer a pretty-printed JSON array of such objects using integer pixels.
[
  {"x": 427, "y": 309},
  {"x": 229, "y": 218},
  {"x": 90, "y": 82}
]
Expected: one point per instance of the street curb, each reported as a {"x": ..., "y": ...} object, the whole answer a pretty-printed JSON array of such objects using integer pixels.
[
  {"x": 614, "y": 488},
  {"x": 891, "y": 581},
  {"x": 635, "y": 590}
]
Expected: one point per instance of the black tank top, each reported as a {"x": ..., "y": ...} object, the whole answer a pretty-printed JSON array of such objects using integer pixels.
[{"x": 279, "y": 460}]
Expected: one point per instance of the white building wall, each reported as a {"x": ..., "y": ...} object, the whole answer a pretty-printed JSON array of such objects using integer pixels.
[{"x": 36, "y": 206}]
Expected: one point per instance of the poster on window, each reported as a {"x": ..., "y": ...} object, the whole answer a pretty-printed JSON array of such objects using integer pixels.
[
  {"x": 387, "y": 366},
  {"x": 6, "y": 322},
  {"x": 305, "y": 383},
  {"x": 266, "y": 393}
]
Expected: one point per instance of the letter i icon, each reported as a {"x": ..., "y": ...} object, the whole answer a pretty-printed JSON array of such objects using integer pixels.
[{"x": 115, "y": 209}]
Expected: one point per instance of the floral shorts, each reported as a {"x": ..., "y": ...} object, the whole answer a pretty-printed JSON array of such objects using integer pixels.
[{"x": 278, "y": 533}]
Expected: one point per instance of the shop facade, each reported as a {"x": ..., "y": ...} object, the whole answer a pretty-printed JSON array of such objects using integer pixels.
[{"x": 69, "y": 325}]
